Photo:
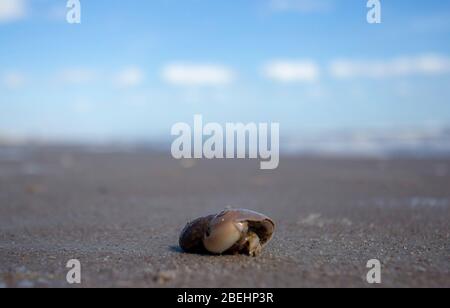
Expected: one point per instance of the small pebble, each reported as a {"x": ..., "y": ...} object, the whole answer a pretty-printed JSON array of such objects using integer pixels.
[
  {"x": 420, "y": 268},
  {"x": 165, "y": 276}
]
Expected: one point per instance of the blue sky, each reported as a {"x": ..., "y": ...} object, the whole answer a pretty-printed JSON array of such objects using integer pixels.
[{"x": 133, "y": 68}]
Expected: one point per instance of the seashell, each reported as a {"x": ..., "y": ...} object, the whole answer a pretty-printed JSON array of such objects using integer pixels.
[{"x": 233, "y": 231}]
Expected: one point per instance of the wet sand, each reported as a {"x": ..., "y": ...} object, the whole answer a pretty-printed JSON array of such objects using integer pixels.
[{"x": 120, "y": 213}]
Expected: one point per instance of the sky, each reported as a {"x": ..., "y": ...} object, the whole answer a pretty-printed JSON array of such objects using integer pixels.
[{"x": 134, "y": 68}]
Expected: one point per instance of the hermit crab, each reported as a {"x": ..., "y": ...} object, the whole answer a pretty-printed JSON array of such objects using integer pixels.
[{"x": 232, "y": 231}]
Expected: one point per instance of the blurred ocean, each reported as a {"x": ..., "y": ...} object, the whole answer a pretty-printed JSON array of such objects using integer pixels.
[
  {"x": 372, "y": 143},
  {"x": 414, "y": 143}
]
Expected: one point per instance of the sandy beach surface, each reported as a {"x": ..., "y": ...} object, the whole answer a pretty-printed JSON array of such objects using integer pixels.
[{"x": 120, "y": 213}]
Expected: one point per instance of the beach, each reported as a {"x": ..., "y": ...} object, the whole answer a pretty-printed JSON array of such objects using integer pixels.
[{"x": 119, "y": 211}]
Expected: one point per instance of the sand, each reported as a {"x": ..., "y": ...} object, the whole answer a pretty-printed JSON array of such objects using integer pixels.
[{"x": 120, "y": 213}]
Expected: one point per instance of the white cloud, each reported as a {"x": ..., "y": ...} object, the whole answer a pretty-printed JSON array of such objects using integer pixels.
[
  {"x": 130, "y": 77},
  {"x": 301, "y": 6},
  {"x": 78, "y": 75},
  {"x": 427, "y": 65},
  {"x": 12, "y": 10},
  {"x": 197, "y": 74},
  {"x": 13, "y": 80},
  {"x": 292, "y": 71}
]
